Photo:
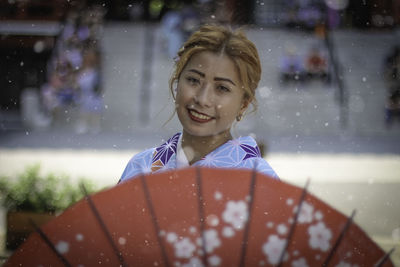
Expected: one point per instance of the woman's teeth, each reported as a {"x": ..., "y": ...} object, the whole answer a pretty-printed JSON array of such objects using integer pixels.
[{"x": 199, "y": 116}]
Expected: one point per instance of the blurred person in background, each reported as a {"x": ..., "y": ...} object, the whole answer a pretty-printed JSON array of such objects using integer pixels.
[
  {"x": 291, "y": 65},
  {"x": 214, "y": 81},
  {"x": 177, "y": 24},
  {"x": 60, "y": 90},
  {"x": 392, "y": 108},
  {"x": 392, "y": 80},
  {"x": 69, "y": 69},
  {"x": 316, "y": 64},
  {"x": 171, "y": 30},
  {"x": 90, "y": 98}
]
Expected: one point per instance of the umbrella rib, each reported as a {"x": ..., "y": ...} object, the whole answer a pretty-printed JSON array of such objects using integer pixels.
[
  {"x": 201, "y": 213},
  {"x": 293, "y": 226},
  {"x": 103, "y": 226},
  {"x": 340, "y": 238},
  {"x": 385, "y": 258},
  {"x": 46, "y": 239},
  {"x": 154, "y": 218},
  {"x": 247, "y": 226}
]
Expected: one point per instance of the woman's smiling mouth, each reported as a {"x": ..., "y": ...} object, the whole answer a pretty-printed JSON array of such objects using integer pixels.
[{"x": 199, "y": 117}]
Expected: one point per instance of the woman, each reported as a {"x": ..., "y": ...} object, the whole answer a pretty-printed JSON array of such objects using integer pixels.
[{"x": 215, "y": 78}]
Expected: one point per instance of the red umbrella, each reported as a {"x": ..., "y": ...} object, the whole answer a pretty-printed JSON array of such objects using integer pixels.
[{"x": 201, "y": 217}]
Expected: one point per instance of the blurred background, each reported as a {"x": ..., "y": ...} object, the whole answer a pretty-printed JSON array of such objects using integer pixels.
[{"x": 84, "y": 86}]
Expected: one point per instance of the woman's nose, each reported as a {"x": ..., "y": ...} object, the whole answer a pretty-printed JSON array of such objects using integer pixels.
[{"x": 204, "y": 96}]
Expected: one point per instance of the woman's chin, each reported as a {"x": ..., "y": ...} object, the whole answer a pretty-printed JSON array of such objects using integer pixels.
[{"x": 206, "y": 133}]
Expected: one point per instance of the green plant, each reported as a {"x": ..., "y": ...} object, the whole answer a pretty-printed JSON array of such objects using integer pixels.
[{"x": 33, "y": 192}]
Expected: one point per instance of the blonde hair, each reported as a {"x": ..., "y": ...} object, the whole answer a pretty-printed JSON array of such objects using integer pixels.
[{"x": 234, "y": 44}]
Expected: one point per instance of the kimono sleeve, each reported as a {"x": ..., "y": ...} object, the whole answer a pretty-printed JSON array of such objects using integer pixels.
[
  {"x": 138, "y": 164},
  {"x": 262, "y": 166}
]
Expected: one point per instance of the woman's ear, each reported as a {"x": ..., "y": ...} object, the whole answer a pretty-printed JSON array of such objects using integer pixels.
[
  {"x": 174, "y": 88},
  {"x": 245, "y": 104}
]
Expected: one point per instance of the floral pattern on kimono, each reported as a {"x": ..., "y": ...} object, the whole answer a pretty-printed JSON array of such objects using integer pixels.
[{"x": 242, "y": 152}]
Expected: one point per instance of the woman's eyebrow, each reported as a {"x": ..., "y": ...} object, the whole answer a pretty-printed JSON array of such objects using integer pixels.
[
  {"x": 198, "y": 72},
  {"x": 224, "y": 79},
  {"x": 215, "y": 79}
]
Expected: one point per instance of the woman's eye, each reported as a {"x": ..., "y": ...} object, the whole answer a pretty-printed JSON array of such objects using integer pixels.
[
  {"x": 223, "y": 88},
  {"x": 192, "y": 80}
]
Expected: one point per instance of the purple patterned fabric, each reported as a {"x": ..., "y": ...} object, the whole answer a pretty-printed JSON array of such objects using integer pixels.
[
  {"x": 166, "y": 150},
  {"x": 251, "y": 151},
  {"x": 241, "y": 152}
]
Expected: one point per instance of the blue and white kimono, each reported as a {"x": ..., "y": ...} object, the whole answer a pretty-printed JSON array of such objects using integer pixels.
[{"x": 242, "y": 152}]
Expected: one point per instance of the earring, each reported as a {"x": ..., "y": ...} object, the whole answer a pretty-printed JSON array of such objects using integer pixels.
[{"x": 239, "y": 117}]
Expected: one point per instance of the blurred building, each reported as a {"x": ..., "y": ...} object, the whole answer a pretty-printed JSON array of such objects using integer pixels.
[
  {"x": 374, "y": 13},
  {"x": 28, "y": 31},
  {"x": 29, "y": 28},
  {"x": 352, "y": 13},
  {"x": 44, "y": 47}
]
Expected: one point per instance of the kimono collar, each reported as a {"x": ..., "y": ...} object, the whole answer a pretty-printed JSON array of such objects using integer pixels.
[
  {"x": 181, "y": 159},
  {"x": 173, "y": 146}
]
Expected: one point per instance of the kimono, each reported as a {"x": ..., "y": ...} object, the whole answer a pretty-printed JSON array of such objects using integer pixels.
[{"x": 242, "y": 152}]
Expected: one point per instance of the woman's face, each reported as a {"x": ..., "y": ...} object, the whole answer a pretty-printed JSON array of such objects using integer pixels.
[{"x": 209, "y": 94}]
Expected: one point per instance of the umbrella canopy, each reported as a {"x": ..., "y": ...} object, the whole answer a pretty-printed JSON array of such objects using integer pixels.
[{"x": 200, "y": 217}]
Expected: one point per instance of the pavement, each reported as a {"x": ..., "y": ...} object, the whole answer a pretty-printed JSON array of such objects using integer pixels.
[{"x": 351, "y": 166}]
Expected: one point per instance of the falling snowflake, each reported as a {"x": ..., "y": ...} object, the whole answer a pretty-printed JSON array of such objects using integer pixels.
[
  {"x": 172, "y": 237},
  {"x": 265, "y": 91},
  {"x": 228, "y": 231},
  {"x": 122, "y": 240},
  {"x": 62, "y": 247},
  {"x": 79, "y": 237},
  {"x": 218, "y": 195},
  {"x": 212, "y": 220}
]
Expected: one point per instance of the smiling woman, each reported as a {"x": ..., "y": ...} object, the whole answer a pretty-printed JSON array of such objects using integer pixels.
[
  {"x": 208, "y": 100},
  {"x": 216, "y": 74}
]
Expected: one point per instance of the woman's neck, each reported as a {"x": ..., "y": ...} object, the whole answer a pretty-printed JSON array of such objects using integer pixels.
[{"x": 197, "y": 147}]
